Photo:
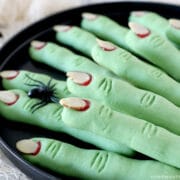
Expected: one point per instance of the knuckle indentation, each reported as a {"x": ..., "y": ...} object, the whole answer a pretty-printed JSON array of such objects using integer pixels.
[
  {"x": 28, "y": 80},
  {"x": 105, "y": 85},
  {"x": 99, "y": 161},
  {"x": 56, "y": 114},
  {"x": 156, "y": 73},
  {"x": 147, "y": 99},
  {"x": 53, "y": 148},
  {"x": 105, "y": 114},
  {"x": 27, "y": 106},
  {"x": 124, "y": 55},
  {"x": 149, "y": 130},
  {"x": 156, "y": 41}
]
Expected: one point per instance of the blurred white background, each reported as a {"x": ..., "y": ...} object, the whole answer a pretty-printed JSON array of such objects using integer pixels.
[{"x": 16, "y": 14}]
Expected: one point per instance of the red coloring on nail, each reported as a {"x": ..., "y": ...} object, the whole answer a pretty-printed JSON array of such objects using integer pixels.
[
  {"x": 67, "y": 29},
  {"x": 108, "y": 49},
  {"x": 11, "y": 103},
  {"x": 38, "y": 149},
  {"x": 12, "y": 77},
  {"x": 144, "y": 35},
  {"x": 40, "y": 47},
  {"x": 85, "y": 107},
  {"x": 86, "y": 83}
]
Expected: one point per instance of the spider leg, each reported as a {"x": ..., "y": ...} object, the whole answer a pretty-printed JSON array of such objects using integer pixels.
[
  {"x": 35, "y": 80},
  {"x": 52, "y": 86},
  {"x": 35, "y": 85},
  {"x": 49, "y": 82},
  {"x": 55, "y": 99},
  {"x": 36, "y": 106},
  {"x": 53, "y": 89},
  {"x": 40, "y": 106}
]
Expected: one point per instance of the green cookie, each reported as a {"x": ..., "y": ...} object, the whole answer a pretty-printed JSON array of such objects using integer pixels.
[
  {"x": 85, "y": 42},
  {"x": 49, "y": 117},
  {"x": 157, "y": 50},
  {"x": 105, "y": 28},
  {"x": 173, "y": 31},
  {"x": 124, "y": 64},
  {"x": 122, "y": 96},
  {"x": 26, "y": 80},
  {"x": 157, "y": 23},
  {"x": 139, "y": 135},
  {"x": 139, "y": 73},
  {"x": 64, "y": 60},
  {"x": 151, "y": 20},
  {"x": 94, "y": 164}
]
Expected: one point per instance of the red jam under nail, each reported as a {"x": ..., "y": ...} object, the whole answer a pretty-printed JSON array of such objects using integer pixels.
[
  {"x": 40, "y": 47},
  {"x": 11, "y": 103},
  {"x": 85, "y": 107},
  {"x": 38, "y": 149},
  {"x": 144, "y": 35},
  {"x": 108, "y": 49},
  {"x": 86, "y": 83},
  {"x": 13, "y": 77}
]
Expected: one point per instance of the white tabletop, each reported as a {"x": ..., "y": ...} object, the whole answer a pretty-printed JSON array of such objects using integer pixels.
[{"x": 13, "y": 16}]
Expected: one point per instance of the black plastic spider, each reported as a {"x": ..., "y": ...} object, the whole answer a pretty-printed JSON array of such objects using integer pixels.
[{"x": 44, "y": 92}]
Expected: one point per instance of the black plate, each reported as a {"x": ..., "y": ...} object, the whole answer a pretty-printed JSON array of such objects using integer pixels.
[{"x": 14, "y": 55}]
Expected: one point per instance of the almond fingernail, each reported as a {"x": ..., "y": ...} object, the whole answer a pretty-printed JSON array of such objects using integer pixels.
[
  {"x": 8, "y": 97},
  {"x": 28, "y": 146},
  {"x": 138, "y": 13},
  {"x": 89, "y": 16},
  {"x": 175, "y": 23},
  {"x": 139, "y": 29},
  {"x": 38, "y": 44},
  {"x": 9, "y": 74},
  {"x": 75, "y": 103},
  {"x": 105, "y": 45},
  {"x": 80, "y": 78},
  {"x": 62, "y": 28}
]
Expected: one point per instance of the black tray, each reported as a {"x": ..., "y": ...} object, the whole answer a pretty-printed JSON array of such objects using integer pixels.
[{"x": 14, "y": 55}]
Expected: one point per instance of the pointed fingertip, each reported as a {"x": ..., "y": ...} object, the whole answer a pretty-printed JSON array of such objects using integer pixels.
[
  {"x": 38, "y": 44},
  {"x": 81, "y": 78},
  {"x": 105, "y": 45},
  {"x": 175, "y": 23},
  {"x": 75, "y": 103},
  {"x": 140, "y": 30},
  {"x": 138, "y": 13},
  {"x": 8, "y": 97},
  {"x": 28, "y": 146},
  {"x": 9, "y": 74},
  {"x": 89, "y": 16},
  {"x": 62, "y": 28}
]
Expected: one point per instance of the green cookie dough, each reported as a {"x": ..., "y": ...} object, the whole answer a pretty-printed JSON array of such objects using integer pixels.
[
  {"x": 157, "y": 50},
  {"x": 25, "y": 80},
  {"x": 64, "y": 60},
  {"x": 122, "y": 96},
  {"x": 107, "y": 29},
  {"x": 174, "y": 35},
  {"x": 140, "y": 135},
  {"x": 139, "y": 73},
  {"x": 151, "y": 20},
  {"x": 49, "y": 117},
  {"x": 157, "y": 23},
  {"x": 125, "y": 65},
  {"x": 70, "y": 36},
  {"x": 94, "y": 164}
]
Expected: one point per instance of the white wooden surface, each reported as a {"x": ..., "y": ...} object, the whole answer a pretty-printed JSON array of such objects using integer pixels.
[{"x": 17, "y": 14}]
